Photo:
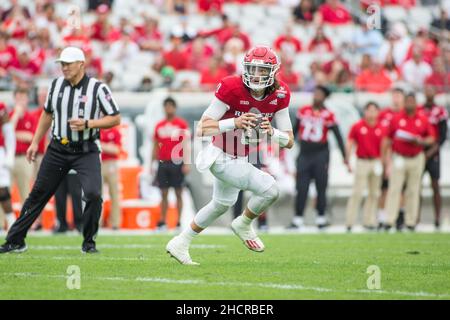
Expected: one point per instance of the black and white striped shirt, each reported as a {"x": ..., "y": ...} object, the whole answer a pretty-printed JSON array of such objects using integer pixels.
[{"x": 89, "y": 99}]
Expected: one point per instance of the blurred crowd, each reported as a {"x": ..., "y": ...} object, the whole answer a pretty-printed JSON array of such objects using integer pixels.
[{"x": 189, "y": 56}]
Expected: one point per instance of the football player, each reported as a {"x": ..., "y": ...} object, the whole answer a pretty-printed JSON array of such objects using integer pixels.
[
  {"x": 313, "y": 124},
  {"x": 7, "y": 153},
  {"x": 229, "y": 122},
  {"x": 437, "y": 116}
]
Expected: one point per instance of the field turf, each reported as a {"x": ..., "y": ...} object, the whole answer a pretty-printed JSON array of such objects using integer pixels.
[{"x": 295, "y": 266}]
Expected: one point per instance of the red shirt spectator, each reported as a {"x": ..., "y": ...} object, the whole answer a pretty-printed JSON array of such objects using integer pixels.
[
  {"x": 7, "y": 55},
  {"x": 214, "y": 6},
  {"x": 320, "y": 43},
  {"x": 427, "y": 46},
  {"x": 197, "y": 54},
  {"x": 111, "y": 135},
  {"x": 25, "y": 67},
  {"x": 101, "y": 29},
  {"x": 334, "y": 12},
  {"x": 78, "y": 38},
  {"x": 169, "y": 134},
  {"x": 374, "y": 79},
  {"x": 104, "y": 32},
  {"x": 440, "y": 78},
  {"x": 17, "y": 28},
  {"x": 176, "y": 59},
  {"x": 368, "y": 139},
  {"x": 212, "y": 75},
  {"x": 439, "y": 81},
  {"x": 288, "y": 44},
  {"x": 404, "y": 3},
  {"x": 147, "y": 36},
  {"x": 328, "y": 66},
  {"x": 404, "y": 128},
  {"x": 288, "y": 76},
  {"x": 26, "y": 123}
]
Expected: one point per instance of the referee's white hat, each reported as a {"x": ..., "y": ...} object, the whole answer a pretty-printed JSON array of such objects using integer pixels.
[{"x": 71, "y": 54}]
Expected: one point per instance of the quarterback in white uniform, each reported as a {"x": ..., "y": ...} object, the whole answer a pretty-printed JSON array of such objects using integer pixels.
[{"x": 242, "y": 107}]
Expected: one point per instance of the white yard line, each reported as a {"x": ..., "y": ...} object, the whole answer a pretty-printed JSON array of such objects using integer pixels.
[
  {"x": 120, "y": 246},
  {"x": 277, "y": 286}
]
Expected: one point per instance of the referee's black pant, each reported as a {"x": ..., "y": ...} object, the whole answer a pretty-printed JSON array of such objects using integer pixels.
[
  {"x": 312, "y": 166},
  {"x": 57, "y": 162}
]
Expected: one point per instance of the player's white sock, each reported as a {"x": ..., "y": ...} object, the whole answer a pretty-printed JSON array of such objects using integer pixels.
[
  {"x": 245, "y": 220},
  {"x": 382, "y": 216},
  {"x": 298, "y": 221},
  {"x": 10, "y": 219},
  {"x": 321, "y": 220},
  {"x": 188, "y": 234}
]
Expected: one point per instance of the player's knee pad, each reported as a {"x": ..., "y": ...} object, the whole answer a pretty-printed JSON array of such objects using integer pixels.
[
  {"x": 4, "y": 194},
  {"x": 259, "y": 203},
  {"x": 209, "y": 213}
]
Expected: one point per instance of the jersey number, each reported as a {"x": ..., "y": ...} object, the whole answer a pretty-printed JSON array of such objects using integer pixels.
[{"x": 312, "y": 131}]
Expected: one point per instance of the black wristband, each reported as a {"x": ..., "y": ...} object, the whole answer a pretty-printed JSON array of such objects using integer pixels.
[{"x": 86, "y": 122}]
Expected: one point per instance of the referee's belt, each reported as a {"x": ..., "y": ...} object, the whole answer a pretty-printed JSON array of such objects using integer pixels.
[{"x": 71, "y": 144}]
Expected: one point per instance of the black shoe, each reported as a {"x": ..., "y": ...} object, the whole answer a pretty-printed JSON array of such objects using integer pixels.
[
  {"x": 411, "y": 228},
  {"x": 13, "y": 248},
  {"x": 387, "y": 227},
  {"x": 293, "y": 226},
  {"x": 437, "y": 225},
  {"x": 89, "y": 249},
  {"x": 380, "y": 226},
  {"x": 323, "y": 225},
  {"x": 60, "y": 230},
  {"x": 349, "y": 229},
  {"x": 399, "y": 224},
  {"x": 369, "y": 228},
  {"x": 38, "y": 227},
  {"x": 162, "y": 226}
]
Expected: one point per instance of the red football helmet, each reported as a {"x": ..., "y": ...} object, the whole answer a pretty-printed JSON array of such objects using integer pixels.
[{"x": 260, "y": 67}]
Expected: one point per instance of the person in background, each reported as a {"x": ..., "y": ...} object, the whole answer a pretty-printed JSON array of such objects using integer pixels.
[
  {"x": 173, "y": 161},
  {"x": 437, "y": 116},
  {"x": 111, "y": 144},
  {"x": 70, "y": 185},
  {"x": 312, "y": 125},
  {"x": 366, "y": 135},
  {"x": 304, "y": 12},
  {"x": 385, "y": 118},
  {"x": 416, "y": 70},
  {"x": 24, "y": 125},
  {"x": 408, "y": 135},
  {"x": 7, "y": 151},
  {"x": 333, "y": 12}
]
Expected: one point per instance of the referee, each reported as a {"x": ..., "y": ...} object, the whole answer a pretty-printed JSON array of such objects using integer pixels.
[{"x": 77, "y": 106}]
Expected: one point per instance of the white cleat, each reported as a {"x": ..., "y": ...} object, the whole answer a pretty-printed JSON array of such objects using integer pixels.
[
  {"x": 179, "y": 250},
  {"x": 247, "y": 235}
]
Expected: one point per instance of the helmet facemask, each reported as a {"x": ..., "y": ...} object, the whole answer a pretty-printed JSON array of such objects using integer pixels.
[{"x": 258, "y": 75}]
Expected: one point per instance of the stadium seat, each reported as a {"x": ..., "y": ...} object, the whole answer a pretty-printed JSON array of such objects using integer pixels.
[
  {"x": 282, "y": 13},
  {"x": 192, "y": 76},
  {"x": 253, "y": 12},
  {"x": 394, "y": 13}
]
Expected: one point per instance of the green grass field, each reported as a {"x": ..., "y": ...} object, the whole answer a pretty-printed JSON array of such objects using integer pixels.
[{"x": 315, "y": 266}]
